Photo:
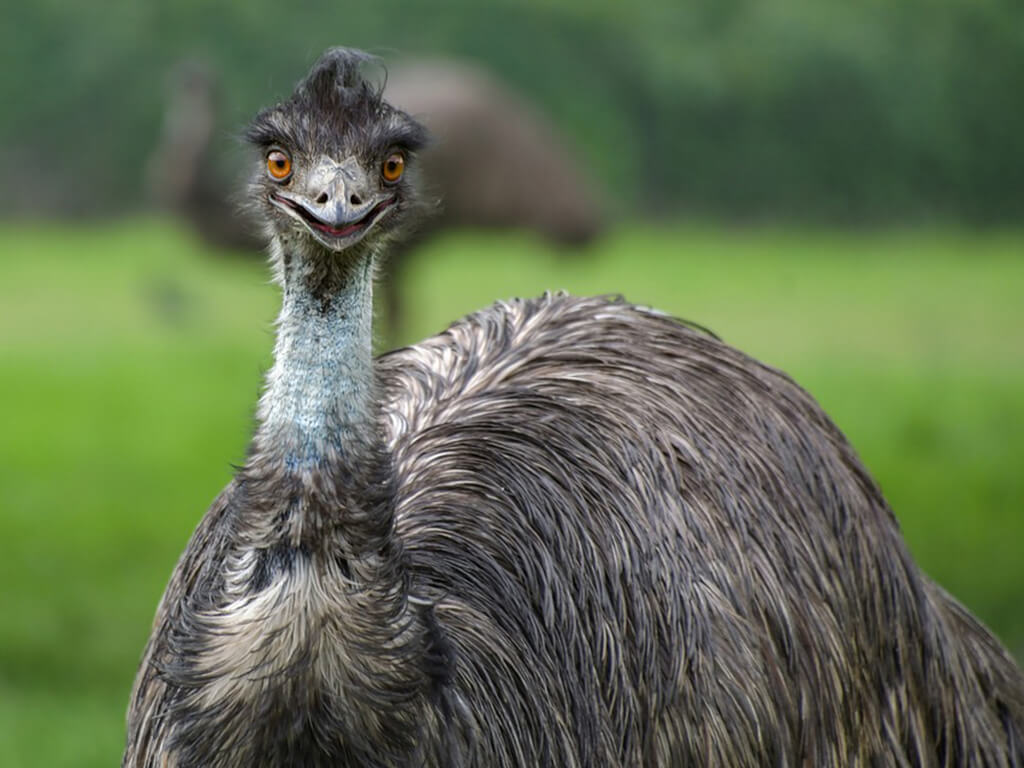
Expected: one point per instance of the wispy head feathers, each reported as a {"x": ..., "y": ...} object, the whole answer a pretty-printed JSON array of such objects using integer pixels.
[{"x": 335, "y": 110}]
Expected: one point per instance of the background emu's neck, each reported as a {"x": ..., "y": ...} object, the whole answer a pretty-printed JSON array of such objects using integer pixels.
[{"x": 318, "y": 405}]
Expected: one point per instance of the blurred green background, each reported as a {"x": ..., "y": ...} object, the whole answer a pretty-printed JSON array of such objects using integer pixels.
[{"x": 836, "y": 188}]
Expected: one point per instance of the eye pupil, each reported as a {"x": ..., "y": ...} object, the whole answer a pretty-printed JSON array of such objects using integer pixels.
[{"x": 393, "y": 167}]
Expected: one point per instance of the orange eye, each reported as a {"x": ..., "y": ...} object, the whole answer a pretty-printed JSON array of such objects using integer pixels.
[
  {"x": 279, "y": 165},
  {"x": 393, "y": 167}
]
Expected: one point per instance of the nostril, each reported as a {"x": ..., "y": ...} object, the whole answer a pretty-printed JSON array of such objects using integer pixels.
[
  {"x": 322, "y": 198},
  {"x": 355, "y": 199}
]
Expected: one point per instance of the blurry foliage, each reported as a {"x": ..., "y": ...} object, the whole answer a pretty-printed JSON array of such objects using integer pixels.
[{"x": 802, "y": 109}]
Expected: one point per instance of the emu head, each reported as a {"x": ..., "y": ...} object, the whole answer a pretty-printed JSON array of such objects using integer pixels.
[{"x": 333, "y": 171}]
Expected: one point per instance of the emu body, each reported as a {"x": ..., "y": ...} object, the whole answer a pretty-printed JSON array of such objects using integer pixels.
[{"x": 565, "y": 532}]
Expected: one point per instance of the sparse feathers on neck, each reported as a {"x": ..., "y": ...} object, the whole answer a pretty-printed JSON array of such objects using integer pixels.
[{"x": 319, "y": 395}]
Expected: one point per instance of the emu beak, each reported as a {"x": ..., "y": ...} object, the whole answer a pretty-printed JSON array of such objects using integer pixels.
[{"x": 340, "y": 207}]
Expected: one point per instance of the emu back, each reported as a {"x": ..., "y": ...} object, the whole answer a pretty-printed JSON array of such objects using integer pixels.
[{"x": 649, "y": 549}]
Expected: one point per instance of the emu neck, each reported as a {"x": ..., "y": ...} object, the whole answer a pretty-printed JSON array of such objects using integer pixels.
[
  {"x": 315, "y": 478},
  {"x": 318, "y": 405}
]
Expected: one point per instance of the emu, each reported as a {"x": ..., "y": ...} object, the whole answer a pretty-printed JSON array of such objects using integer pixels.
[{"x": 565, "y": 532}]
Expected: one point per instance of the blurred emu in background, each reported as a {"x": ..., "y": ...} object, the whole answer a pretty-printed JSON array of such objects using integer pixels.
[{"x": 494, "y": 162}]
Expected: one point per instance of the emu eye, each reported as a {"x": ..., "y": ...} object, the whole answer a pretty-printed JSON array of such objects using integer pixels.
[
  {"x": 393, "y": 167},
  {"x": 279, "y": 165}
]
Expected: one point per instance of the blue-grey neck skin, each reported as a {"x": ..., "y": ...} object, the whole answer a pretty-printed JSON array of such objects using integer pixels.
[
  {"x": 315, "y": 467},
  {"x": 319, "y": 393}
]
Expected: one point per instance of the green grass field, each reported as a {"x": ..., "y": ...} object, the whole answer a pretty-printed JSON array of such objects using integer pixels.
[{"x": 130, "y": 361}]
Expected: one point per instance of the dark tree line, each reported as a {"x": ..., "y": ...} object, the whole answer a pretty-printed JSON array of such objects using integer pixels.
[{"x": 812, "y": 110}]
